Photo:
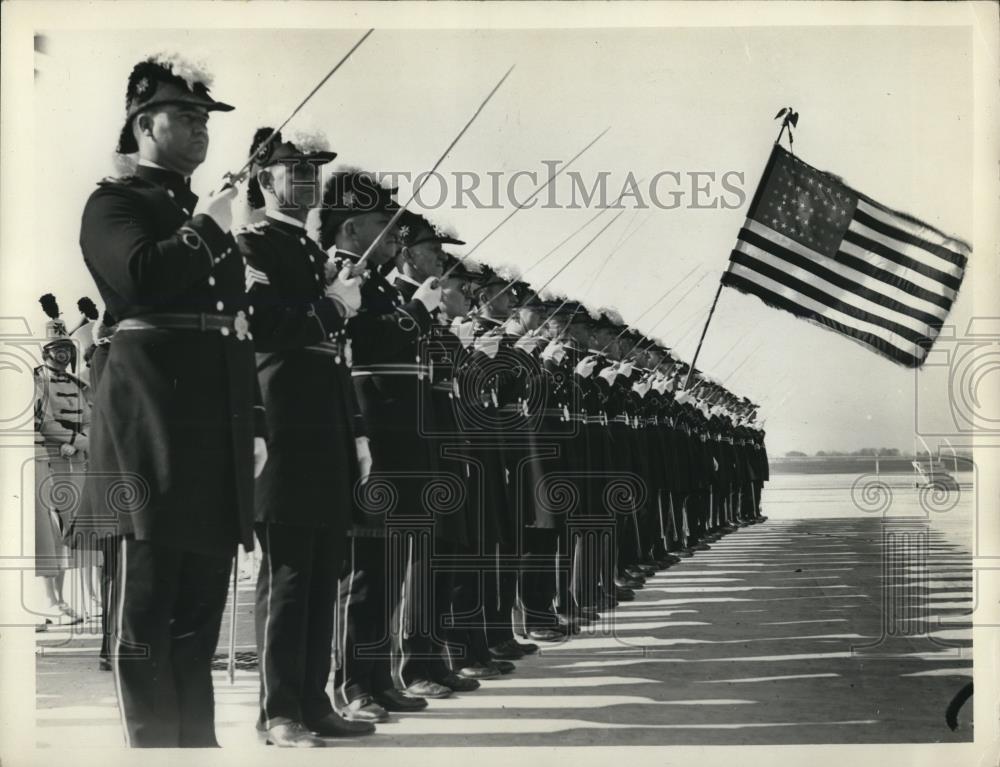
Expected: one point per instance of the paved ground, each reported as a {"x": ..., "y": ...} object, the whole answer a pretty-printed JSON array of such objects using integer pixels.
[{"x": 778, "y": 635}]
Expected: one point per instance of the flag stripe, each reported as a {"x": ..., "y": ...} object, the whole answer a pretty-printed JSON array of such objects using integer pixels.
[
  {"x": 928, "y": 284},
  {"x": 890, "y": 282},
  {"x": 907, "y": 249},
  {"x": 795, "y": 307},
  {"x": 848, "y": 298},
  {"x": 873, "y": 244},
  {"x": 810, "y": 290},
  {"x": 859, "y": 264},
  {"x": 899, "y": 228},
  {"x": 812, "y": 262}
]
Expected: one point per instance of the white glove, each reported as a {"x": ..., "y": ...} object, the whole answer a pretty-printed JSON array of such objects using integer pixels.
[
  {"x": 626, "y": 368},
  {"x": 586, "y": 366},
  {"x": 364, "y": 452},
  {"x": 465, "y": 330},
  {"x": 641, "y": 388},
  {"x": 346, "y": 292},
  {"x": 682, "y": 397},
  {"x": 488, "y": 344},
  {"x": 528, "y": 342},
  {"x": 259, "y": 455},
  {"x": 429, "y": 293},
  {"x": 218, "y": 206},
  {"x": 609, "y": 374},
  {"x": 554, "y": 352},
  {"x": 67, "y": 450}
]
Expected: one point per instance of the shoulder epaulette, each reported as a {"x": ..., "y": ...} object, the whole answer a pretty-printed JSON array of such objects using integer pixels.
[
  {"x": 256, "y": 227},
  {"x": 129, "y": 180}
]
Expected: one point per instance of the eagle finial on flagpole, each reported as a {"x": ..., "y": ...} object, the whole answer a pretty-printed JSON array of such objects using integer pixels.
[{"x": 791, "y": 120}]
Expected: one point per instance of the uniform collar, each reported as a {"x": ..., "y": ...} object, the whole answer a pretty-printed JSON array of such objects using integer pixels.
[
  {"x": 281, "y": 218},
  {"x": 400, "y": 277},
  {"x": 177, "y": 186}
]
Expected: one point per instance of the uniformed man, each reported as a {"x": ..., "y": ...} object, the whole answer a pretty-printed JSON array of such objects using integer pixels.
[
  {"x": 317, "y": 450},
  {"x": 394, "y": 530},
  {"x": 450, "y": 349},
  {"x": 484, "y": 399},
  {"x": 431, "y": 581},
  {"x": 177, "y": 416},
  {"x": 62, "y": 423}
]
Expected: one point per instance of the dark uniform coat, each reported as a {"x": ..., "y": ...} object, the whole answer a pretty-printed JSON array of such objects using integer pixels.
[
  {"x": 303, "y": 362},
  {"x": 175, "y": 414},
  {"x": 393, "y": 394}
]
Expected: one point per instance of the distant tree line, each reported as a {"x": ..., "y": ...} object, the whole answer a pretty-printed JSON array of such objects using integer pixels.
[{"x": 882, "y": 452}]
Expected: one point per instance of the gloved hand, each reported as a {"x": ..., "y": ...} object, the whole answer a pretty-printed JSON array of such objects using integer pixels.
[
  {"x": 609, "y": 374},
  {"x": 586, "y": 366},
  {"x": 364, "y": 453},
  {"x": 641, "y": 388},
  {"x": 429, "y": 293},
  {"x": 259, "y": 455},
  {"x": 67, "y": 450},
  {"x": 345, "y": 290},
  {"x": 488, "y": 344},
  {"x": 465, "y": 331},
  {"x": 682, "y": 397},
  {"x": 554, "y": 352},
  {"x": 529, "y": 342},
  {"x": 626, "y": 368},
  {"x": 218, "y": 206}
]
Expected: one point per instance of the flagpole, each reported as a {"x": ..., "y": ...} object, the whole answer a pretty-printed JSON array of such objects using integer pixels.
[{"x": 701, "y": 340}]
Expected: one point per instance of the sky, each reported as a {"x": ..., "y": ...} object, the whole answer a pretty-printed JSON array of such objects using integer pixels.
[{"x": 889, "y": 109}]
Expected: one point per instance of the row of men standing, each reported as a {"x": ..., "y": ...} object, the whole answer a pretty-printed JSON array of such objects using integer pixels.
[{"x": 404, "y": 468}]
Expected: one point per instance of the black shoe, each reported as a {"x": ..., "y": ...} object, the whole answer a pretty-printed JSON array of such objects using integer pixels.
[
  {"x": 503, "y": 666},
  {"x": 635, "y": 574},
  {"x": 648, "y": 570},
  {"x": 292, "y": 735},
  {"x": 333, "y": 725},
  {"x": 457, "y": 683},
  {"x": 569, "y": 624},
  {"x": 104, "y": 665},
  {"x": 504, "y": 651},
  {"x": 365, "y": 710},
  {"x": 623, "y": 594},
  {"x": 425, "y": 688},
  {"x": 701, "y": 547},
  {"x": 527, "y": 647},
  {"x": 478, "y": 671},
  {"x": 546, "y": 635},
  {"x": 393, "y": 700}
]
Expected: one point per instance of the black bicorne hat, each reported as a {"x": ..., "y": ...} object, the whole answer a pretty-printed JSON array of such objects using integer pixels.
[
  {"x": 347, "y": 194},
  {"x": 164, "y": 79},
  {"x": 415, "y": 229},
  {"x": 309, "y": 149}
]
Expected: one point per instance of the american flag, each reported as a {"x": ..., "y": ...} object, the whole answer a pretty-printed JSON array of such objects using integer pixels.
[{"x": 813, "y": 246}]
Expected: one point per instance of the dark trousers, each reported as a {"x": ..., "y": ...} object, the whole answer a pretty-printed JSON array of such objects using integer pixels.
[
  {"x": 366, "y": 608},
  {"x": 467, "y": 637},
  {"x": 499, "y": 595},
  {"x": 424, "y": 611},
  {"x": 168, "y": 613},
  {"x": 108, "y": 546},
  {"x": 388, "y": 605},
  {"x": 294, "y": 617},
  {"x": 538, "y": 578}
]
